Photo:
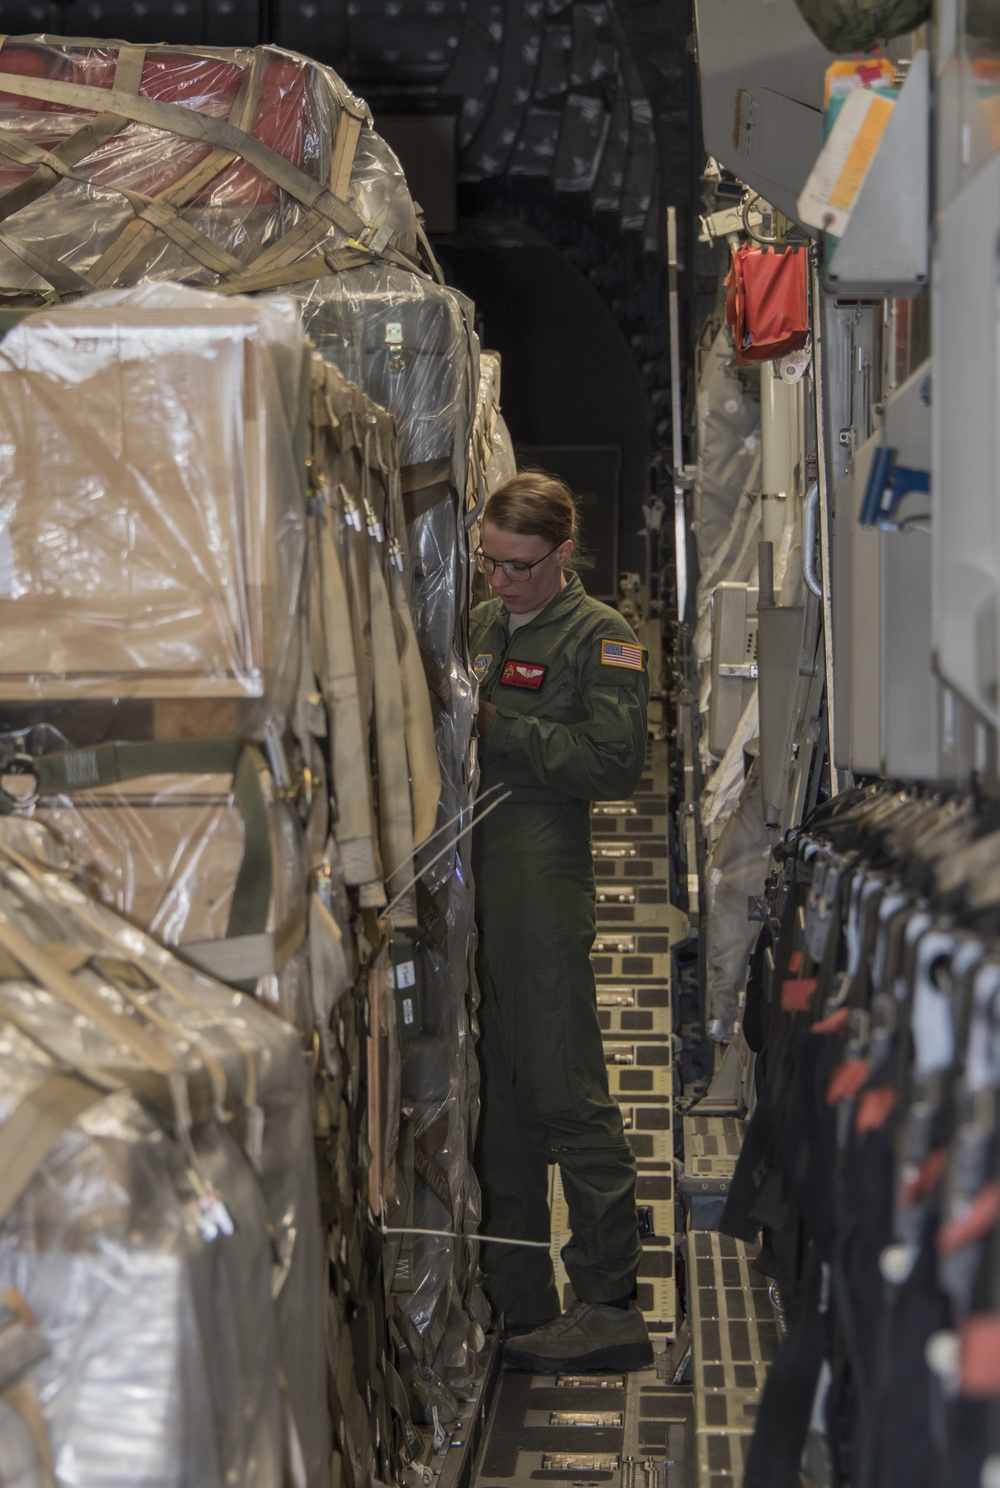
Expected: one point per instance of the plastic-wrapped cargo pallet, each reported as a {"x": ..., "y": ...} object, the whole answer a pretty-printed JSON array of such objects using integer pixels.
[
  {"x": 258, "y": 170},
  {"x": 408, "y": 343},
  {"x": 158, "y": 1192},
  {"x": 165, "y": 564}
]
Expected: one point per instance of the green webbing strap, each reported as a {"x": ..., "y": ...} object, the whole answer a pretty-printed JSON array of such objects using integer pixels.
[{"x": 111, "y": 764}]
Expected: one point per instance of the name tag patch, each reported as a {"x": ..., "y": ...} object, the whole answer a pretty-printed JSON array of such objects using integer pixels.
[
  {"x": 526, "y": 674},
  {"x": 620, "y": 654},
  {"x": 482, "y": 664}
]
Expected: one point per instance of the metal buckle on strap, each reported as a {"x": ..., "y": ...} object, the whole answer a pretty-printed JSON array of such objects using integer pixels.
[
  {"x": 373, "y": 239},
  {"x": 18, "y": 764}
]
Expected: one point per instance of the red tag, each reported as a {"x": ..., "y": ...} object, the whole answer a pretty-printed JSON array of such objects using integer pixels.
[
  {"x": 795, "y": 994},
  {"x": 974, "y": 1223},
  {"x": 925, "y": 1179},
  {"x": 979, "y": 1356},
  {"x": 795, "y": 963},
  {"x": 846, "y": 1080},
  {"x": 525, "y": 674},
  {"x": 873, "y": 1109},
  {"x": 836, "y": 1022}
]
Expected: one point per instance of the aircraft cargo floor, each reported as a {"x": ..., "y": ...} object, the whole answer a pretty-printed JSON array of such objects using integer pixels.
[{"x": 684, "y": 1423}]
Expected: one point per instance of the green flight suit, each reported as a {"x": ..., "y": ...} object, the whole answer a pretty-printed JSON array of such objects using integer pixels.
[{"x": 571, "y": 691}]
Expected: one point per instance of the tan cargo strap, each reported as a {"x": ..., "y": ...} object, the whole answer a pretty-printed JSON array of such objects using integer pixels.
[
  {"x": 395, "y": 810},
  {"x": 150, "y": 210},
  {"x": 63, "y": 279},
  {"x": 55, "y": 164},
  {"x": 82, "y": 911},
  {"x": 338, "y": 679},
  {"x": 191, "y": 124},
  {"x": 421, "y": 748},
  {"x": 425, "y": 1167},
  {"x": 244, "y": 958},
  {"x": 399, "y": 1404},
  {"x": 23, "y": 1398},
  {"x": 317, "y": 267},
  {"x": 118, "y": 976},
  {"x": 282, "y": 263},
  {"x": 427, "y": 253},
  {"x": 345, "y": 147},
  {"x": 125, "y": 1031},
  {"x": 33, "y": 1130},
  {"x": 424, "y": 486},
  {"x": 115, "y": 259},
  {"x": 133, "y": 1081}
]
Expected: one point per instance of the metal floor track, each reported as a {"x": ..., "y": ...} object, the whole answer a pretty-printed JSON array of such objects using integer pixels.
[{"x": 630, "y": 1431}]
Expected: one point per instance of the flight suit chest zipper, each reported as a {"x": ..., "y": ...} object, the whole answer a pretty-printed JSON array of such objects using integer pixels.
[{"x": 495, "y": 672}]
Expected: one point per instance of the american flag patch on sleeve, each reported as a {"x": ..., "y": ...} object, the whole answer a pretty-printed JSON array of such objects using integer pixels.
[{"x": 620, "y": 654}]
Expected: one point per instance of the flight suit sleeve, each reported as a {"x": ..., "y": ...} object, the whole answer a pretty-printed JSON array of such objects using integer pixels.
[{"x": 599, "y": 758}]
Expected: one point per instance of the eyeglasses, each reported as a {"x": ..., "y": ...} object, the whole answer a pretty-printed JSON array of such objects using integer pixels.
[{"x": 513, "y": 568}]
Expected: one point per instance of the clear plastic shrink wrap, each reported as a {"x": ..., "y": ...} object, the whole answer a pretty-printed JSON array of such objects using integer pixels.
[
  {"x": 257, "y": 170},
  {"x": 216, "y": 168},
  {"x": 151, "y": 516},
  {"x": 409, "y": 344},
  {"x": 167, "y": 1350},
  {"x": 168, "y": 853},
  {"x": 491, "y": 455},
  {"x": 728, "y": 445}
]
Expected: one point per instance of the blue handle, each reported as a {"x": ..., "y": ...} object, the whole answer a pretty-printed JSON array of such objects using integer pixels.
[{"x": 886, "y": 487}]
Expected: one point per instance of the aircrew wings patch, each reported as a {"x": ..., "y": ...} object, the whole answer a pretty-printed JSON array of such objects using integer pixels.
[
  {"x": 621, "y": 654},
  {"x": 527, "y": 674}
]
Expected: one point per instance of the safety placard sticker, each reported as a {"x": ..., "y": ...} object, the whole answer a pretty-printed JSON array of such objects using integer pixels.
[
  {"x": 527, "y": 674},
  {"x": 621, "y": 654},
  {"x": 831, "y": 191}
]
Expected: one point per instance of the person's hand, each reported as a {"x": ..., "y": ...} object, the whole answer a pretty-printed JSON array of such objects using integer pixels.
[{"x": 484, "y": 719}]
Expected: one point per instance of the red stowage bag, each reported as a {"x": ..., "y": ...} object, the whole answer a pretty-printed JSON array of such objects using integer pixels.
[{"x": 767, "y": 305}]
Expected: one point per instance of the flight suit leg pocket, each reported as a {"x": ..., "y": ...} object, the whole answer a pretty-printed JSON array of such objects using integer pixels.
[{"x": 543, "y": 1040}]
